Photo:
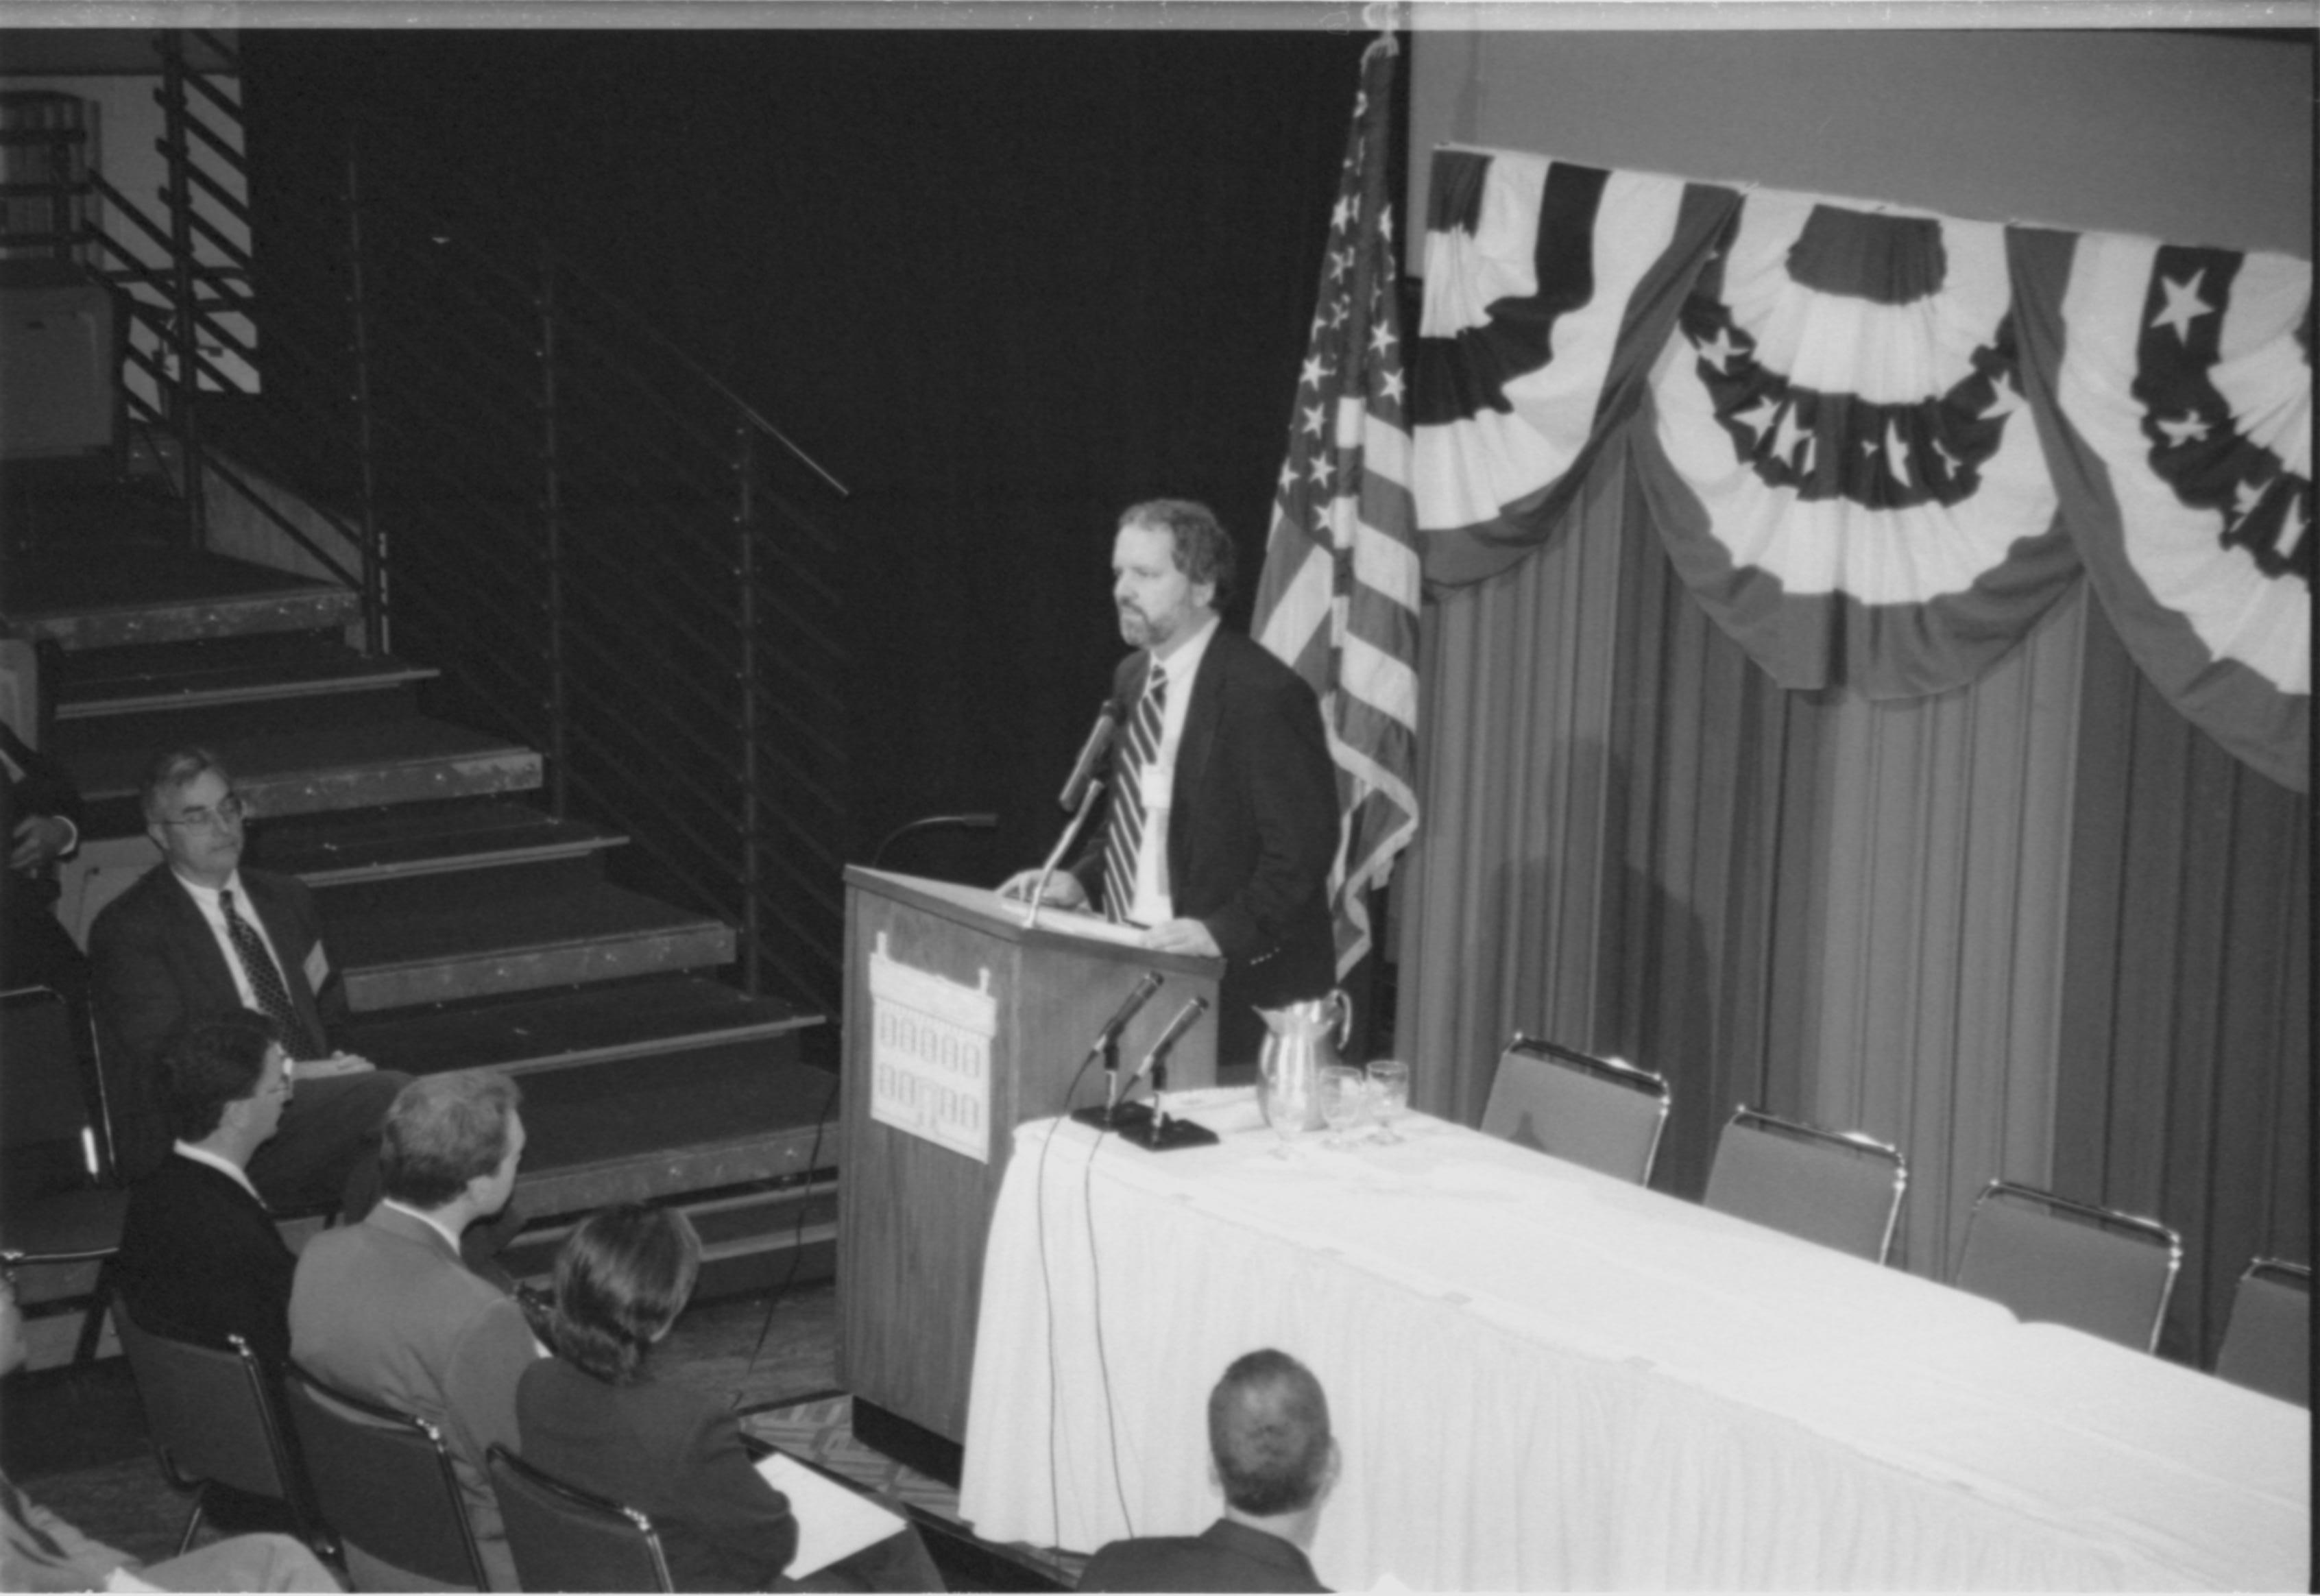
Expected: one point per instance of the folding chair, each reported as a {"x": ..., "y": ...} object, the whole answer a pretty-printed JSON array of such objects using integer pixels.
[
  {"x": 566, "y": 1538},
  {"x": 213, "y": 1419},
  {"x": 2054, "y": 1260},
  {"x": 2268, "y": 1345},
  {"x": 55, "y": 1214},
  {"x": 1839, "y": 1188},
  {"x": 1600, "y": 1113},
  {"x": 384, "y": 1484}
]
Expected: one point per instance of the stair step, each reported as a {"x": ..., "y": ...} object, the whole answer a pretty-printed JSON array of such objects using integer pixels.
[
  {"x": 742, "y": 1231},
  {"x": 435, "y": 939},
  {"x": 333, "y": 847},
  {"x": 593, "y": 1024},
  {"x": 188, "y": 674},
  {"x": 162, "y": 595},
  {"x": 636, "y": 1129},
  {"x": 296, "y": 757}
]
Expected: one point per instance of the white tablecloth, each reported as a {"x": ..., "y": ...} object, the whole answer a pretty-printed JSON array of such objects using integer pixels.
[{"x": 1545, "y": 1379}]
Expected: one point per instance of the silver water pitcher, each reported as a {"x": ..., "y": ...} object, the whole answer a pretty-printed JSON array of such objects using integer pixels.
[{"x": 1303, "y": 1038}]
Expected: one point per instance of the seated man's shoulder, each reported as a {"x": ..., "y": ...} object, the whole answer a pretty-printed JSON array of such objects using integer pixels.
[
  {"x": 140, "y": 898},
  {"x": 1227, "y": 1557}
]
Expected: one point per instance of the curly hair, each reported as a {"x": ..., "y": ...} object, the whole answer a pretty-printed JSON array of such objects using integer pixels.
[{"x": 210, "y": 1061}]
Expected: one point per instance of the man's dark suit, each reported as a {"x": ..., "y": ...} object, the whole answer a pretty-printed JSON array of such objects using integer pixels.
[
  {"x": 35, "y": 950},
  {"x": 1226, "y": 1556},
  {"x": 201, "y": 1259},
  {"x": 156, "y": 964},
  {"x": 1252, "y": 831}
]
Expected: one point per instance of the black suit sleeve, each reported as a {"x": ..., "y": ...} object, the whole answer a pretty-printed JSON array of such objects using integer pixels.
[{"x": 1273, "y": 737}]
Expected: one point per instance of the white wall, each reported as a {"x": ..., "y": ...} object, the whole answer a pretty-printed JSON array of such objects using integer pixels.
[{"x": 2193, "y": 139}]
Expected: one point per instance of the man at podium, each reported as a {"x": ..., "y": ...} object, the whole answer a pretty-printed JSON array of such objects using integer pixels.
[{"x": 1220, "y": 820}]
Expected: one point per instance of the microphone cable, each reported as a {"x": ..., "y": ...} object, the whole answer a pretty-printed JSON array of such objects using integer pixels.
[
  {"x": 1047, "y": 1290},
  {"x": 1102, "y": 1359},
  {"x": 797, "y": 1239}
]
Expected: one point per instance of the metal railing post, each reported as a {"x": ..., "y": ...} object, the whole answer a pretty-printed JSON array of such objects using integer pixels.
[
  {"x": 559, "y": 741},
  {"x": 374, "y": 551},
  {"x": 185, "y": 336},
  {"x": 753, "y": 864}
]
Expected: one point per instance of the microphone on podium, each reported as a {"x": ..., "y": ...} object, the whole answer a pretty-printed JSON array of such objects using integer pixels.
[
  {"x": 1151, "y": 1128},
  {"x": 1160, "y": 1050},
  {"x": 1107, "y": 1040},
  {"x": 1099, "y": 742}
]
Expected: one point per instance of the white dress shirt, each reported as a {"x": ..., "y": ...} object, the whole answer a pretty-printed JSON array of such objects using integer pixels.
[{"x": 1154, "y": 903}]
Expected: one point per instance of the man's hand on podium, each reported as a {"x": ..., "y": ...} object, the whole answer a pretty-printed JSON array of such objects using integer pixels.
[
  {"x": 1064, "y": 889},
  {"x": 1182, "y": 936}
]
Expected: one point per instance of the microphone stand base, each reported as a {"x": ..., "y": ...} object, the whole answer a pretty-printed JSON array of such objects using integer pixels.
[{"x": 1134, "y": 1123}]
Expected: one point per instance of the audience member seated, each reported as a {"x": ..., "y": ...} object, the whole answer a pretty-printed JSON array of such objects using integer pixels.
[
  {"x": 200, "y": 1257},
  {"x": 594, "y": 1417},
  {"x": 1270, "y": 1452},
  {"x": 42, "y": 1552},
  {"x": 198, "y": 933},
  {"x": 386, "y": 1310},
  {"x": 39, "y": 825}
]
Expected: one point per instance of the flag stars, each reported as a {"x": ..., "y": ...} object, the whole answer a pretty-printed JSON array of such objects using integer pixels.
[
  {"x": 1313, "y": 419},
  {"x": 2245, "y": 498},
  {"x": 1720, "y": 351},
  {"x": 2184, "y": 306},
  {"x": 1321, "y": 469},
  {"x": 1381, "y": 339},
  {"x": 2190, "y": 428},
  {"x": 1390, "y": 385},
  {"x": 1316, "y": 371}
]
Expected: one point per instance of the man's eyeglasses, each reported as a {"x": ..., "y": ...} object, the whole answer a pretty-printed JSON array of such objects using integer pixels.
[{"x": 230, "y": 811}]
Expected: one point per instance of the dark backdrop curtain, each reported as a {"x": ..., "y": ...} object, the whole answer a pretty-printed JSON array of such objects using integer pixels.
[{"x": 1002, "y": 283}]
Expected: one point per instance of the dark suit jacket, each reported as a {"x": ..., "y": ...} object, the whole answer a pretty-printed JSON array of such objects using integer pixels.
[
  {"x": 1225, "y": 1557},
  {"x": 386, "y": 1310},
  {"x": 156, "y": 964},
  {"x": 200, "y": 1259},
  {"x": 674, "y": 1456},
  {"x": 34, "y": 948},
  {"x": 1253, "y": 828}
]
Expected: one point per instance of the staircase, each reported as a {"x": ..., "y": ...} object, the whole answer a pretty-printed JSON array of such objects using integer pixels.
[{"x": 470, "y": 925}]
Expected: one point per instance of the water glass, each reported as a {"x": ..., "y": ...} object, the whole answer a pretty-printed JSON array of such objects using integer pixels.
[
  {"x": 1388, "y": 1095},
  {"x": 1344, "y": 1096}
]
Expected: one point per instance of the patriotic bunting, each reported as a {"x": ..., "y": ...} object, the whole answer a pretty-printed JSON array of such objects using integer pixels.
[
  {"x": 1843, "y": 468},
  {"x": 1339, "y": 593},
  {"x": 1878, "y": 446},
  {"x": 2177, "y": 388}
]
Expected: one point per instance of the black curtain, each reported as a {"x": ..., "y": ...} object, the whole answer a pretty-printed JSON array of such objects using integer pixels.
[{"x": 1001, "y": 283}]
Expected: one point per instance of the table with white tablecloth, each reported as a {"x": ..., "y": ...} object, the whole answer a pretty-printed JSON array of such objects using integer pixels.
[{"x": 1543, "y": 1378}]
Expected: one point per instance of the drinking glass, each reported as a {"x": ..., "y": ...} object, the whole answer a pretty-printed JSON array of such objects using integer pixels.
[
  {"x": 1344, "y": 1095},
  {"x": 1286, "y": 1096},
  {"x": 1389, "y": 1093}
]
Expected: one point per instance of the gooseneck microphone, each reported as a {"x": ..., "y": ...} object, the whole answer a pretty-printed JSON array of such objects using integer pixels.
[
  {"x": 1107, "y": 1040},
  {"x": 1091, "y": 752},
  {"x": 1177, "y": 1027}
]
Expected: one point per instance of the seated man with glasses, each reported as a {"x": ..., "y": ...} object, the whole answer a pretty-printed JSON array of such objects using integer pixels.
[{"x": 198, "y": 933}]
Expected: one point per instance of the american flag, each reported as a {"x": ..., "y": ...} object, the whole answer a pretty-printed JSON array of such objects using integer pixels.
[{"x": 1339, "y": 594}]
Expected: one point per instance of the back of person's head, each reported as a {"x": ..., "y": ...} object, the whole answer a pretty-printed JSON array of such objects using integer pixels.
[
  {"x": 1204, "y": 550},
  {"x": 174, "y": 768},
  {"x": 442, "y": 1131},
  {"x": 209, "y": 1062},
  {"x": 1269, "y": 1434},
  {"x": 621, "y": 1279}
]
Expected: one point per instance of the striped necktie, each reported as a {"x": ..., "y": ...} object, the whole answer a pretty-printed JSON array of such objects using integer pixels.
[
  {"x": 1124, "y": 835},
  {"x": 266, "y": 981}
]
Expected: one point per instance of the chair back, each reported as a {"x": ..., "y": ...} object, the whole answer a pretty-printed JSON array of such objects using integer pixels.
[
  {"x": 2055, "y": 1261},
  {"x": 1600, "y": 1113},
  {"x": 566, "y": 1538},
  {"x": 1839, "y": 1188},
  {"x": 383, "y": 1483},
  {"x": 212, "y": 1416},
  {"x": 49, "y": 1128},
  {"x": 2268, "y": 1345}
]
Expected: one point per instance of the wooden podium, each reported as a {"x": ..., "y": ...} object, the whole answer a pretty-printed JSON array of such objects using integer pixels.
[{"x": 960, "y": 1025}]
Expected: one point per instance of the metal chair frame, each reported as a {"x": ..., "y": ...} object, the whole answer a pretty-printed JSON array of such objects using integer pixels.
[
  {"x": 138, "y": 1343},
  {"x": 617, "y": 1518},
  {"x": 101, "y": 1205},
  {"x": 311, "y": 1401},
  {"x": 2279, "y": 1272},
  {"x": 1857, "y": 1143},
  {"x": 1612, "y": 1072},
  {"x": 2070, "y": 1211}
]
